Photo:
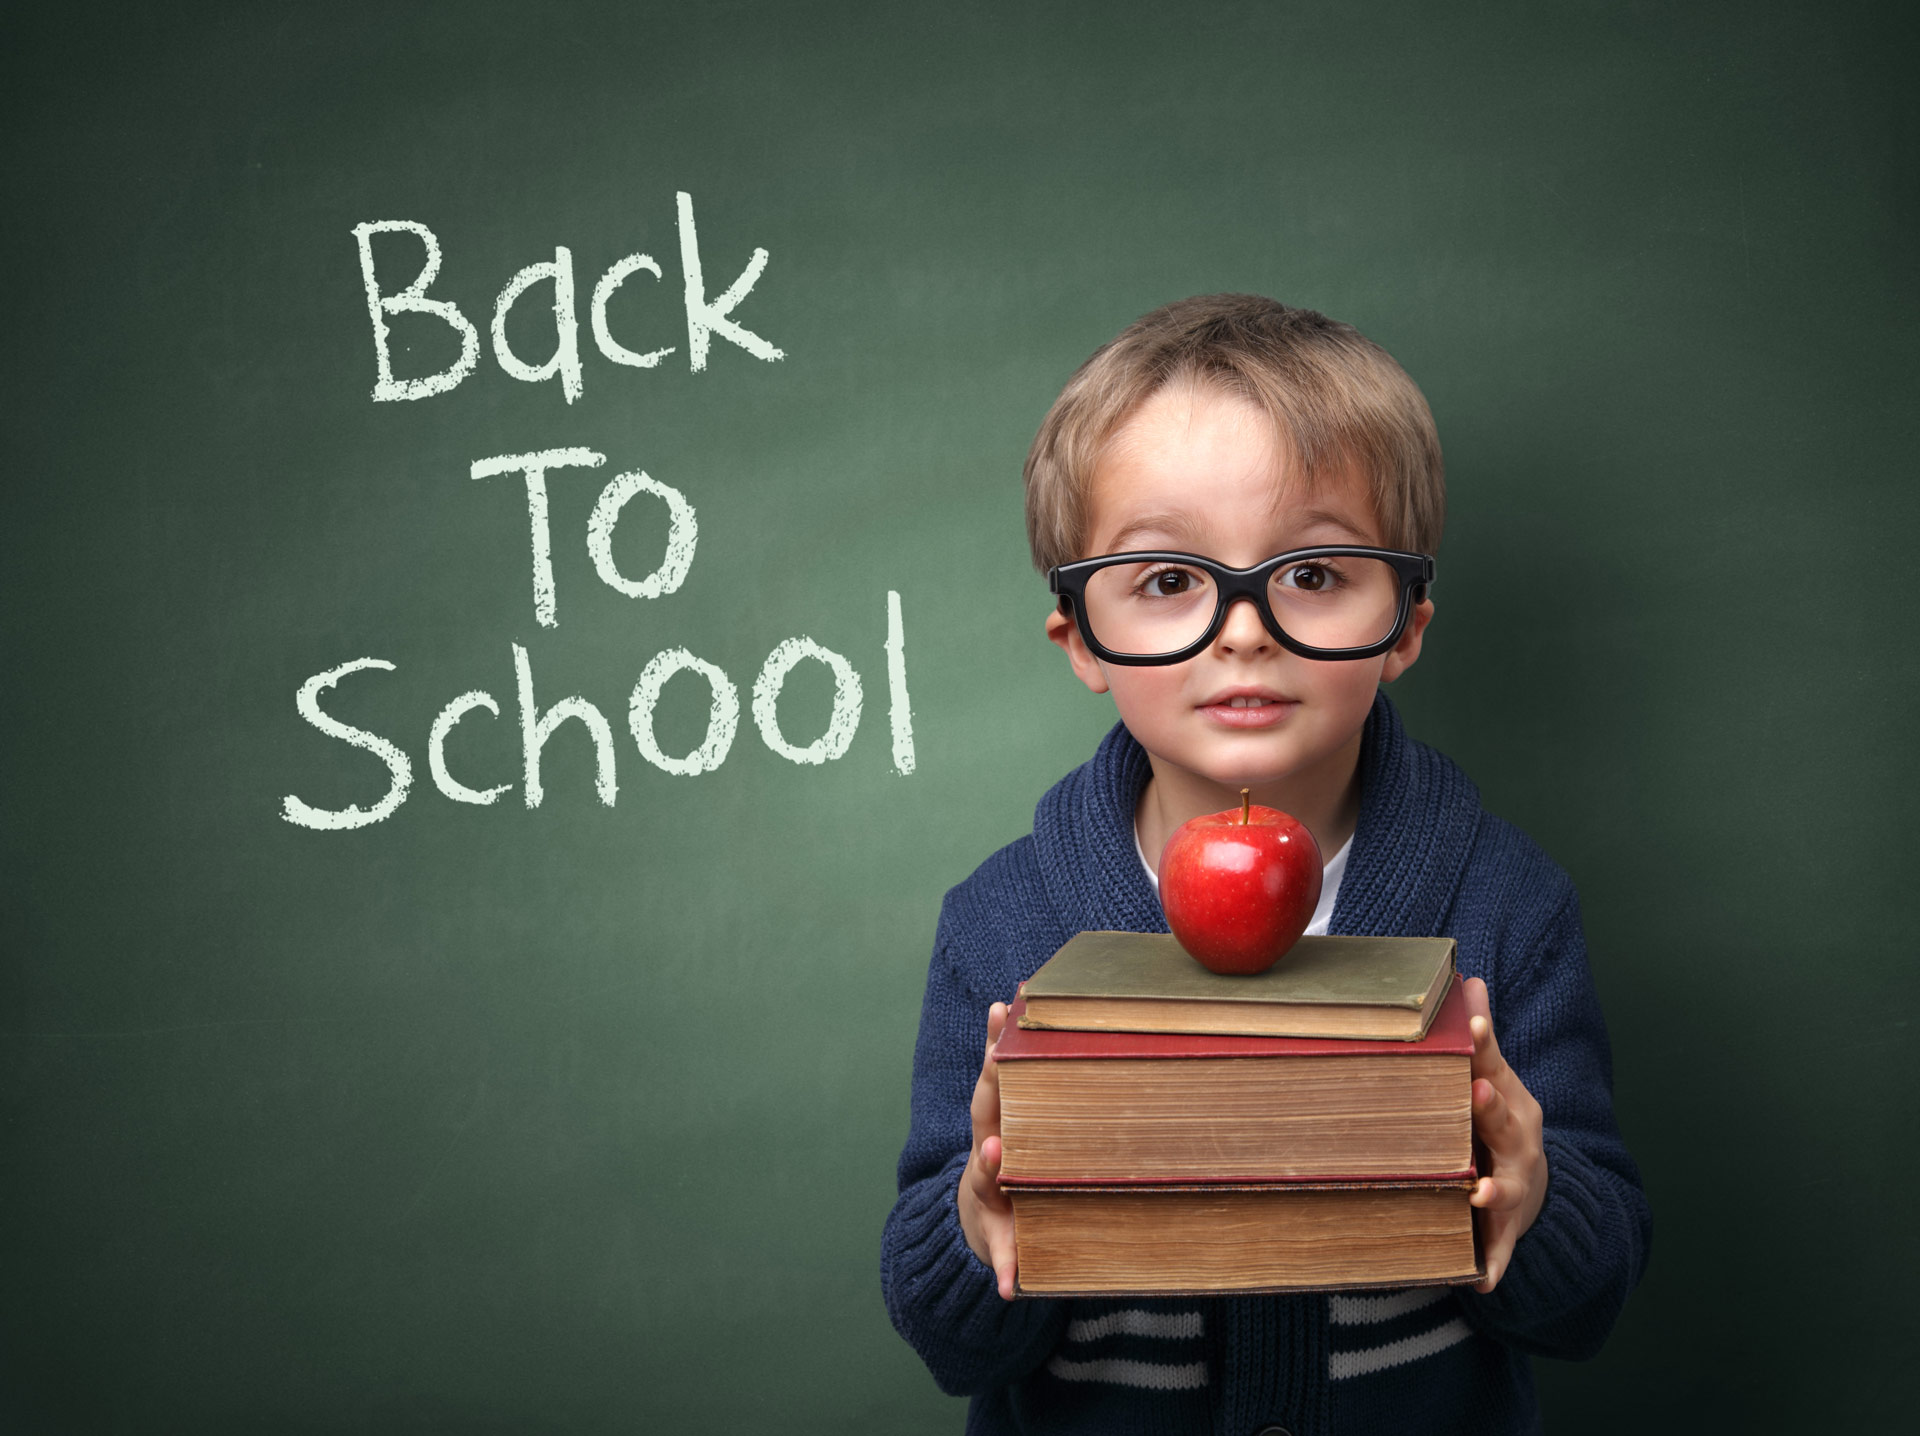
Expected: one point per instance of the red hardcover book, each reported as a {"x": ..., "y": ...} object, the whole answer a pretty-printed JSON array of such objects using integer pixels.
[{"x": 1103, "y": 1109}]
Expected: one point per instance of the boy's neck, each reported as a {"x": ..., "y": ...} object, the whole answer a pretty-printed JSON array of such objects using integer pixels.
[{"x": 1325, "y": 798}]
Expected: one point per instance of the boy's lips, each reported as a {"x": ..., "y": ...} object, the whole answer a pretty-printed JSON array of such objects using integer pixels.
[{"x": 1248, "y": 707}]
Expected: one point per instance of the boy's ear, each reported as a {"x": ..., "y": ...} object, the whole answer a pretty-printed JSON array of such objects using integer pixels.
[
  {"x": 1400, "y": 657},
  {"x": 1061, "y": 629}
]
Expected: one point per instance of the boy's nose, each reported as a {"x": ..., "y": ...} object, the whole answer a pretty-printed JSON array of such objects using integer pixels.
[{"x": 1243, "y": 632}]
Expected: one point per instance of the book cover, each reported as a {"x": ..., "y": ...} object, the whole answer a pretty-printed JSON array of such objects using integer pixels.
[
  {"x": 1447, "y": 1033},
  {"x": 1368, "y": 987}
]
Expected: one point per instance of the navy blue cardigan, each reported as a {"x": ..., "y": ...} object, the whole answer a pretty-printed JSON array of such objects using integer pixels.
[{"x": 1425, "y": 860}]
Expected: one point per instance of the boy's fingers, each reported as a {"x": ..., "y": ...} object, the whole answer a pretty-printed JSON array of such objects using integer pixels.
[
  {"x": 983, "y": 1209},
  {"x": 996, "y": 1024},
  {"x": 1497, "y": 1236},
  {"x": 1493, "y": 1118},
  {"x": 1498, "y": 1194},
  {"x": 1478, "y": 1005},
  {"x": 1487, "y": 1059},
  {"x": 985, "y": 1108},
  {"x": 1003, "y": 1263},
  {"x": 990, "y": 1150},
  {"x": 983, "y": 1170},
  {"x": 985, "y": 1178}
]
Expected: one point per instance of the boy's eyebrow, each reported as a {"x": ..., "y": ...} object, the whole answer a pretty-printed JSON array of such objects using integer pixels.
[
  {"x": 1181, "y": 527},
  {"x": 1330, "y": 519},
  {"x": 1178, "y": 525}
]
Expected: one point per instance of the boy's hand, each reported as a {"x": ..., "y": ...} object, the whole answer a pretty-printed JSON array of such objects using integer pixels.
[
  {"x": 1506, "y": 1119},
  {"x": 986, "y": 1212}
]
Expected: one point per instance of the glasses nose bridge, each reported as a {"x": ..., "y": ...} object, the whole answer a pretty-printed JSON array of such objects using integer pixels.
[{"x": 1243, "y": 588}]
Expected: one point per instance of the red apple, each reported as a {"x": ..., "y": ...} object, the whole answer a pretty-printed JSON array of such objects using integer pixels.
[{"x": 1240, "y": 887}]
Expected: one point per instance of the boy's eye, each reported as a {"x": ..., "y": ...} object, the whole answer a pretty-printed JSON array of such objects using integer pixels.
[
  {"x": 1307, "y": 577},
  {"x": 1168, "y": 581}
]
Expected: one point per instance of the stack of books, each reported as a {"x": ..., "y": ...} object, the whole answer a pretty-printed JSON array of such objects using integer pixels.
[{"x": 1166, "y": 1130}]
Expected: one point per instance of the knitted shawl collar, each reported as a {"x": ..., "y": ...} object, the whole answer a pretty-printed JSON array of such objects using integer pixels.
[{"x": 1418, "y": 816}]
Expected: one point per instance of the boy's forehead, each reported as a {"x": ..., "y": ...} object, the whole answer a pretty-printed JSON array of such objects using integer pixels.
[{"x": 1197, "y": 468}]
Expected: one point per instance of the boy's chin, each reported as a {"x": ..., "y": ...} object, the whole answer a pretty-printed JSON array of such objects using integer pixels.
[
  {"x": 1235, "y": 772},
  {"x": 1246, "y": 761}
]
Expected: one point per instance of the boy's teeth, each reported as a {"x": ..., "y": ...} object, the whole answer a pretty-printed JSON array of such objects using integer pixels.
[{"x": 1247, "y": 703}]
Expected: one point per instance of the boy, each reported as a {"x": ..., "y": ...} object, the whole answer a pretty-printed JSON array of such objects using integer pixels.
[{"x": 1230, "y": 432}]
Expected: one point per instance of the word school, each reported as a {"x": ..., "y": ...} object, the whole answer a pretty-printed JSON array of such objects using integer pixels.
[{"x": 537, "y": 725}]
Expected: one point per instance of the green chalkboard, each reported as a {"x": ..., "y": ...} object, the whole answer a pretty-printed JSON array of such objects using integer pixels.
[{"x": 581, "y": 1116}]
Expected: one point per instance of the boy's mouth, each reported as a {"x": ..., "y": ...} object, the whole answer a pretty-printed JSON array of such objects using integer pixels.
[{"x": 1248, "y": 707}]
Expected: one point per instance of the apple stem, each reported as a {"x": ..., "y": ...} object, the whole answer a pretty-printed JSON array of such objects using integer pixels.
[{"x": 1246, "y": 806}]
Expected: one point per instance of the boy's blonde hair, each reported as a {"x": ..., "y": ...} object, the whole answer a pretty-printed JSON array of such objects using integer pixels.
[{"x": 1337, "y": 400}]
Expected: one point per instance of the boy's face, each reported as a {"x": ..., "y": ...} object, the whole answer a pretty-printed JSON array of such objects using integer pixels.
[{"x": 1200, "y": 471}]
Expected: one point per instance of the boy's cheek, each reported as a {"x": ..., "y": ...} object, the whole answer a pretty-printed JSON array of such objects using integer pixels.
[{"x": 1150, "y": 700}]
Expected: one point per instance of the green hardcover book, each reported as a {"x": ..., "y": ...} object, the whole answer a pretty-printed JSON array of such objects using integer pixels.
[{"x": 1385, "y": 988}]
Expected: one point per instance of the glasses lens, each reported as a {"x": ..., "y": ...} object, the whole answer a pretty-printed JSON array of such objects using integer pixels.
[
  {"x": 1344, "y": 601},
  {"x": 1146, "y": 609}
]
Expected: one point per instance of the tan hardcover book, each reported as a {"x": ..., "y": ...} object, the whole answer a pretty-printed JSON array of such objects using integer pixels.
[
  {"x": 1179, "y": 1241},
  {"x": 1375, "y": 988}
]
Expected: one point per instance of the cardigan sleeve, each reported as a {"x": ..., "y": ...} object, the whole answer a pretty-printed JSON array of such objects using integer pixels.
[
  {"x": 1572, "y": 1269},
  {"x": 941, "y": 1297}
]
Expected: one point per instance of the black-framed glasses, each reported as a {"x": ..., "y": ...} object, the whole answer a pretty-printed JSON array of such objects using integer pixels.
[{"x": 1158, "y": 606}]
